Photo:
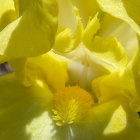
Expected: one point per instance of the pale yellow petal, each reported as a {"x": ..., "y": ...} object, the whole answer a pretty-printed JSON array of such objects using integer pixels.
[
  {"x": 86, "y": 8},
  {"x": 67, "y": 18},
  {"x": 127, "y": 10}
]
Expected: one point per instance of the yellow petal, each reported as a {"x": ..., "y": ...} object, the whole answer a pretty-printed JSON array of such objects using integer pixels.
[
  {"x": 123, "y": 9},
  {"x": 7, "y": 12},
  {"x": 66, "y": 40},
  {"x": 33, "y": 32},
  {"x": 118, "y": 28},
  {"x": 20, "y": 70},
  {"x": 24, "y": 112},
  {"x": 113, "y": 120},
  {"x": 41, "y": 127},
  {"x": 50, "y": 68},
  {"x": 86, "y": 8},
  {"x": 67, "y": 18},
  {"x": 118, "y": 82},
  {"x": 90, "y": 31},
  {"x": 3, "y": 58},
  {"x": 110, "y": 51},
  {"x": 136, "y": 72}
]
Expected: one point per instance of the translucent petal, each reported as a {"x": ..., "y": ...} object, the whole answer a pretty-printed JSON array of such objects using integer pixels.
[{"x": 123, "y": 9}]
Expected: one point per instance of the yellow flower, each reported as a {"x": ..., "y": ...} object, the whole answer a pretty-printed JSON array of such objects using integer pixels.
[{"x": 81, "y": 89}]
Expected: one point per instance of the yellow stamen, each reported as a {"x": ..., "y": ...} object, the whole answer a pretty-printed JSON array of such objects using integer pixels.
[{"x": 71, "y": 105}]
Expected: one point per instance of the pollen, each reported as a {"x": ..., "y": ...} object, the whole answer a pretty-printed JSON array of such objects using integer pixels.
[{"x": 71, "y": 105}]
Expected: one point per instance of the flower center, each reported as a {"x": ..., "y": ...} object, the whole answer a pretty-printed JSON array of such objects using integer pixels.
[{"x": 71, "y": 105}]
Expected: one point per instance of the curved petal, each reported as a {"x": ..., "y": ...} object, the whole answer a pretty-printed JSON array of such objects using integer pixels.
[
  {"x": 110, "y": 51},
  {"x": 67, "y": 40},
  {"x": 7, "y": 13},
  {"x": 118, "y": 82},
  {"x": 113, "y": 120},
  {"x": 33, "y": 32},
  {"x": 123, "y": 9},
  {"x": 24, "y": 112},
  {"x": 50, "y": 68},
  {"x": 118, "y": 28}
]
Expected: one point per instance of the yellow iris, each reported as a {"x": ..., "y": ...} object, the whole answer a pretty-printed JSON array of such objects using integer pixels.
[{"x": 76, "y": 70}]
